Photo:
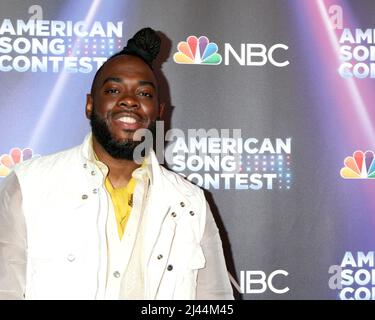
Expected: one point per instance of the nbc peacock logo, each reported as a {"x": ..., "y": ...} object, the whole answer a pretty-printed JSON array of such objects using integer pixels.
[
  {"x": 15, "y": 156},
  {"x": 360, "y": 166},
  {"x": 197, "y": 51}
]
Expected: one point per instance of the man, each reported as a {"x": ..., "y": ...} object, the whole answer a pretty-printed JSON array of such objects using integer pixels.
[{"x": 93, "y": 223}]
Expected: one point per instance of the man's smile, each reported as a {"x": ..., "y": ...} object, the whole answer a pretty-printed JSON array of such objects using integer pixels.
[{"x": 128, "y": 121}]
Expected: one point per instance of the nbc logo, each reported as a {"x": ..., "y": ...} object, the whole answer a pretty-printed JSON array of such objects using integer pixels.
[
  {"x": 197, "y": 51},
  {"x": 16, "y": 155},
  {"x": 360, "y": 166}
]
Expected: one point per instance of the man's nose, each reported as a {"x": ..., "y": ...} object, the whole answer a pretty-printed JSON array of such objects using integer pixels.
[{"x": 128, "y": 102}]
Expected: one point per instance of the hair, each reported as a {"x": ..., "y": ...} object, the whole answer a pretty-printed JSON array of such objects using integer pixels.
[{"x": 145, "y": 44}]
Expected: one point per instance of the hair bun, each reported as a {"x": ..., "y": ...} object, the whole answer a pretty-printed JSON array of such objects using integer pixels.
[{"x": 145, "y": 44}]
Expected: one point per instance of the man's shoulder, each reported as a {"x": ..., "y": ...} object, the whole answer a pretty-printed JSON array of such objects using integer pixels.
[
  {"x": 47, "y": 162},
  {"x": 180, "y": 183}
]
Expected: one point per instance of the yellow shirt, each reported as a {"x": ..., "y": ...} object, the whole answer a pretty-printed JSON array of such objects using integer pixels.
[{"x": 122, "y": 199}]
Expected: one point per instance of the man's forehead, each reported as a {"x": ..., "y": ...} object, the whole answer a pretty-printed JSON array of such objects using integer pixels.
[
  {"x": 124, "y": 67},
  {"x": 127, "y": 64},
  {"x": 119, "y": 79}
]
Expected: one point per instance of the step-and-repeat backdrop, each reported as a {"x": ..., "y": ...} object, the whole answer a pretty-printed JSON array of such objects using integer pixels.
[{"x": 273, "y": 102}]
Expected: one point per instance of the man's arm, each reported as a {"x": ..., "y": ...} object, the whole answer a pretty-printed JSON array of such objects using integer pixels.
[
  {"x": 213, "y": 281},
  {"x": 12, "y": 240}
]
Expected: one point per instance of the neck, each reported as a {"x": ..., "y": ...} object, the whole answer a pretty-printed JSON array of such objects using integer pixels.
[{"x": 120, "y": 170}]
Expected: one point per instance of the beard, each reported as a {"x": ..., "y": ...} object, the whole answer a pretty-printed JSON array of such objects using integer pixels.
[{"x": 123, "y": 149}]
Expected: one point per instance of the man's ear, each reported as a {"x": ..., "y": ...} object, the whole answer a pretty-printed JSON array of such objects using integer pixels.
[
  {"x": 89, "y": 106},
  {"x": 161, "y": 110}
]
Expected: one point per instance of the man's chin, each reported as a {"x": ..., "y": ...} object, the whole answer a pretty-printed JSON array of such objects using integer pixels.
[{"x": 122, "y": 149}]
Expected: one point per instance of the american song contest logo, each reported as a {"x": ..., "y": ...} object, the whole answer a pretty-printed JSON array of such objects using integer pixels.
[
  {"x": 359, "y": 166},
  {"x": 37, "y": 44},
  {"x": 197, "y": 51},
  {"x": 354, "y": 277}
]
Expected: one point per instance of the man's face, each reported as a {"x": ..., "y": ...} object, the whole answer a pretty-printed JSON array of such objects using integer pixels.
[{"x": 124, "y": 99}]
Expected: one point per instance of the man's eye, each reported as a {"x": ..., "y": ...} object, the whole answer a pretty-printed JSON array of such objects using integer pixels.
[
  {"x": 111, "y": 91},
  {"x": 145, "y": 94}
]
